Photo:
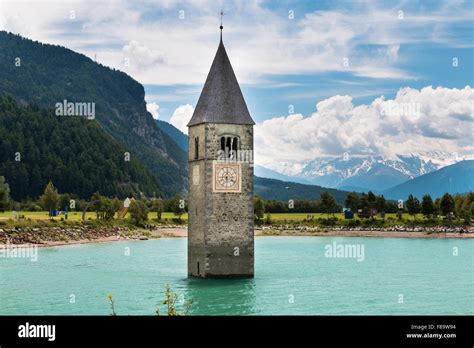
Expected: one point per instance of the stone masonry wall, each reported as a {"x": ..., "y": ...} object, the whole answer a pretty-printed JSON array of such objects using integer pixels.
[{"x": 220, "y": 224}]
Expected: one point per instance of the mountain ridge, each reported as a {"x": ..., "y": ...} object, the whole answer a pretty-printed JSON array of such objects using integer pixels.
[
  {"x": 54, "y": 73},
  {"x": 174, "y": 133},
  {"x": 285, "y": 191},
  {"x": 362, "y": 173},
  {"x": 453, "y": 179}
]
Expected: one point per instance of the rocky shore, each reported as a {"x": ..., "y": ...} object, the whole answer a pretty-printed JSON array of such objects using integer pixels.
[
  {"x": 401, "y": 228},
  {"x": 67, "y": 235},
  {"x": 388, "y": 232}
]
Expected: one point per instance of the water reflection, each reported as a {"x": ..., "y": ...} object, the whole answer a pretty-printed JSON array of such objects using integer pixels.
[{"x": 220, "y": 296}]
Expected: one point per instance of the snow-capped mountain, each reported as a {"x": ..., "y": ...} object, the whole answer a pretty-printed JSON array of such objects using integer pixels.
[
  {"x": 456, "y": 178},
  {"x": 376, "y": 173}
]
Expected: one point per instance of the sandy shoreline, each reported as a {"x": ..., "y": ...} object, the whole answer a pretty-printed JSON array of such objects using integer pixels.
[{"x": 183, "y": 232}]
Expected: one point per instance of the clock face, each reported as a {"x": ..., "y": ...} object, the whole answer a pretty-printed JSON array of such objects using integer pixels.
[{"x": 227, "y": 177}]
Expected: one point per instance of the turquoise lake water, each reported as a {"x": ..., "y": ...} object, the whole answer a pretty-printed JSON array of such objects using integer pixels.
[{"x": 293, "y": 277}]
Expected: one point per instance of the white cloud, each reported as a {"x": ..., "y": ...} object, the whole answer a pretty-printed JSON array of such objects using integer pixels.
[
  {"x": 181, "y": 117},
  {"x": 152, "y": 108},
  {"x": 415, "y": 121},
  {"x": 166, "y": 50},
  {"x": 139, "y": 56}
]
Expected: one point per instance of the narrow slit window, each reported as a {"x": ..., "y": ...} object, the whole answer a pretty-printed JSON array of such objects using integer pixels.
[
  {"x": 223, "y": 143},
  {"x": 196, "y": 147},
  {"x": 235, "y": 147},
  {"x": 228, "y": 146}
]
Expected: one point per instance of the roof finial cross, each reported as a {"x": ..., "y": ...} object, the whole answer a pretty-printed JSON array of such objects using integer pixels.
[{"x": 221, "y": 27}]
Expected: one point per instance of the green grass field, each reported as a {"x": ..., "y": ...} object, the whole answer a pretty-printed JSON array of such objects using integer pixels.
[
  {"x": 43, "y": 215},
  {"x": 77, "y": 216}
]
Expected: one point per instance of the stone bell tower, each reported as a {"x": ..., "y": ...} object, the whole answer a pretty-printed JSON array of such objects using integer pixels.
[{"x": 221, "y": 216}]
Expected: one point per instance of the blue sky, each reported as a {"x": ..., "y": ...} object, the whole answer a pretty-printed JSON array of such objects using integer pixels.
[
  {"x": 425, "y": 61},
  {"x": 320, "y": 77}
]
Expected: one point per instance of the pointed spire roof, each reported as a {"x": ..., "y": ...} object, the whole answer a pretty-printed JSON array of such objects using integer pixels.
[{"x": 221, "y": 99}]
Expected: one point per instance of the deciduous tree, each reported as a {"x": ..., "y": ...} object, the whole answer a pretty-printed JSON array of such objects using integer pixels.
[
  {"x": 138, "y": 212},
  {"x": 50, "y": 198}
]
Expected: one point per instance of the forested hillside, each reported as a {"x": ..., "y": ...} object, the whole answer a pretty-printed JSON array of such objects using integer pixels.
[
  {"x": 284, "y": 191},
  {"x": 75, "y": 153},
  {"x": 46, "y": 74},
  {"x": 179, "y": 137}
]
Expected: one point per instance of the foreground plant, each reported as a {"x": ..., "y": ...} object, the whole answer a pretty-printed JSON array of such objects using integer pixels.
[
  {"x": 112, "y": 305},
  {"x": 171, "y": 298}
]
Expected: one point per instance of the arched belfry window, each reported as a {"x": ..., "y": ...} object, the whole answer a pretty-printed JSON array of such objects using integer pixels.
[
  {"x": 196, "y": 147},
  {"x": 235, "y": 141},
  {"x": 230, "y": 147},
  {"x": 222, "y": 143}
]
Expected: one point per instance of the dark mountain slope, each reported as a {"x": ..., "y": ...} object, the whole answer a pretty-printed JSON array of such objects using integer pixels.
[
  {"x": 50, "y": 74},
  {"x": 75, "y": 153},
  {"x": 284, "y": 191},
  {"x": 174, "y": 133}
]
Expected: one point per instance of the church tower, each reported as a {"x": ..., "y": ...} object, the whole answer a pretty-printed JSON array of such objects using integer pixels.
[{"x": 221, "y": 216}]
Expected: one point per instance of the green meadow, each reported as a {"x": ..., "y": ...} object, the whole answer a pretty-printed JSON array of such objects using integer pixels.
[
  {"x": 77, "y": 216},
  {"x": 169, "y": 216}
]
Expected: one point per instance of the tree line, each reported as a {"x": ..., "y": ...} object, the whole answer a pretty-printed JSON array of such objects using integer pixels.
[
  {"x": 368, "y": 205},
  {"x": 364, "y": 205},
  {"x": 105, "y": 208}
]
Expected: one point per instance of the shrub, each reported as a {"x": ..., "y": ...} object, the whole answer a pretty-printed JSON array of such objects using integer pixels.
[{"x": 138, "y": 212}]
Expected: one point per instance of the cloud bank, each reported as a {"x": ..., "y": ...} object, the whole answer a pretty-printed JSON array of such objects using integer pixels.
[{"x": 415, "y": 121}]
